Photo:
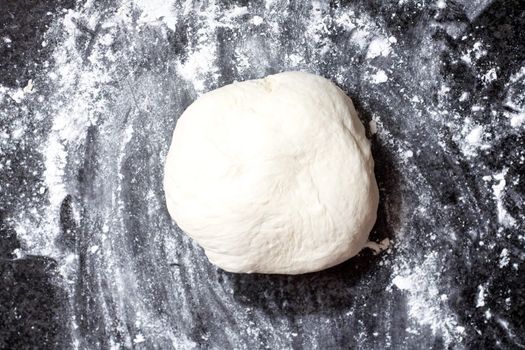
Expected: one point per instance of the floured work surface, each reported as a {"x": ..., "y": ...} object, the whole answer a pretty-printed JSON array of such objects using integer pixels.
[{"x": 88, "y": 99}]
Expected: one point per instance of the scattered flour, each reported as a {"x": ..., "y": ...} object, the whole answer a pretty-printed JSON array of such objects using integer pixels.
[
  {"x": 18, "y": 95},
  {"x": 490, "y": 76},
  {"x": 504, "y": 218},
  {"x": 139, "y": 338},
  {"x": 504, "y": 258},
  {"x": 156, "y": 11},
  {"x": 379, "y": 77},
  {"x": 426, "y": 304},
  {"x": 470, "y": 139},
  {"x": 378, "y": 47},
  {"x": 420, "y": 282},
  {"x": 475, "y": 135},
  {"x": 257, "y": 20},
  {"x": 475, "y": 53},
  {"x": 441, "y": 4},
  {"x": 515, "y": 99},
  {"x": 480, "y": 299},
  {"x": 200, "y": 65},
  {"x": 517, "y": 120}
]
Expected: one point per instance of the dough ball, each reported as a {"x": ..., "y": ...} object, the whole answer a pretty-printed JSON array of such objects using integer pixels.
[{"x": 273, "y": 175}]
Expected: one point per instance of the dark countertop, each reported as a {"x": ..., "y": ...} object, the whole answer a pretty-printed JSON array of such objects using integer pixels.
[{"x": 90, "y": 93}]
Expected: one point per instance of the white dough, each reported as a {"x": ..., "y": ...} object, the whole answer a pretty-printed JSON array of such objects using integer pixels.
[{"x": 273, "y": 175}]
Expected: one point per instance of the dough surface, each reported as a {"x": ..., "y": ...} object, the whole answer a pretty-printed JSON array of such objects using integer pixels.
[{"x": 273, "y": 175}]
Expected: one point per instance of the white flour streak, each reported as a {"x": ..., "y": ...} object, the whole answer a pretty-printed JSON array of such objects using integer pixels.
[
  {"x": 480, "y": 299},
  {"x": 55, "y": 161},
  {"x": 504, "y": 258},
  {"x": 514, "y": 99},
  {"x": 379, "y": 77},
  {"x": 517, "y": 120},
  {"x": 470, "y": 138},
  {"x": 157, "y": 11},
  {"x": 72, "y": 116},
  {"x": 378, "y": 47},
  {"x": 441, "y": 4},
  {"x": 475, "y": 53},
  {"x": 317, "y": 29},
  {"x": 478, "y": 50},
  {"x": 504, "y": 218},
  {"x": 475, "y": 135},
  {"x": 490, "y": 76},
  {"x": 426, "y": 305},
  {"x": 200, "y": 65},
  {"x": 257, "y": 20},
  {"x": 17, "y": 95},
  {"x": 228, "y": 18},
  {"x": 75, "y": 104},
  {"x": 403, "y": 282},
  {"x": 346, "y": 19},
  {"x": 362, "y": 28}
]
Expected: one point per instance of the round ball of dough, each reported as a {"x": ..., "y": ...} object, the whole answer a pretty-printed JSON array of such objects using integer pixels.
[{"x": 273, "y": 175}]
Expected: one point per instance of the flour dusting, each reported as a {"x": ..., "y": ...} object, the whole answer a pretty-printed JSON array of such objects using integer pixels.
[
  {"x": 379, "y": 77},
  {"x": 504, "y": 217},
  {"x": 105, "y": 107},
  {"x": 427, "y": 305}
]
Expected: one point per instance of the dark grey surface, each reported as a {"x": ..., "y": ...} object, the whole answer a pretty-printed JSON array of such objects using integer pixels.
[{"x": 89, "y": 257}]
